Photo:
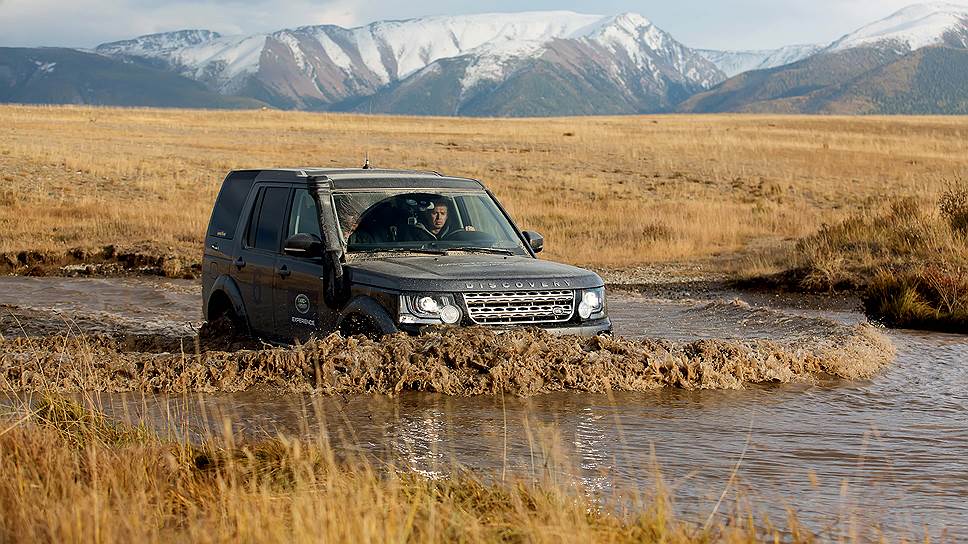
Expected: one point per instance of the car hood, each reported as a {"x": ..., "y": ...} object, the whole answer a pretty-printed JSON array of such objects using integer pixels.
[{"x": 454, "y": 273}]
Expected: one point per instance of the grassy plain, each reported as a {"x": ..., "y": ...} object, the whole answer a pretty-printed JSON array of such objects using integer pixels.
[{"x": 605, "y": 191}]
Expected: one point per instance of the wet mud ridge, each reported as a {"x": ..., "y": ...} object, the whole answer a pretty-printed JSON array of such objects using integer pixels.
[
  {"x": 110, "y": 260},
  {"x": 462, "y": 362}
]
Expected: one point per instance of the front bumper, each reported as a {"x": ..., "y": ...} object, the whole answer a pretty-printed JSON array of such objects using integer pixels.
[{"x": 597, "y": 327}]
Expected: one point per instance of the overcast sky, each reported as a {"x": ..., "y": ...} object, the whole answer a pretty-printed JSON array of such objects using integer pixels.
[{"x": 721, "y": 24}]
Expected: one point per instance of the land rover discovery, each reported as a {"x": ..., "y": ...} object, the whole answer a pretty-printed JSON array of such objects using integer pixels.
[{"x": 293, "y": 252}]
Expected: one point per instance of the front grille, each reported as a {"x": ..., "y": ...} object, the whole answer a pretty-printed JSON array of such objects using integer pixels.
[{"x": 523, "y": 307}]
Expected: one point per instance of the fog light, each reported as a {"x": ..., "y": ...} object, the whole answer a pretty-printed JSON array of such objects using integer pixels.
[
  {"x": 584, "y": 309},
  {"x": 450, "y": 314},
  {"x": 428, "y": 305}
]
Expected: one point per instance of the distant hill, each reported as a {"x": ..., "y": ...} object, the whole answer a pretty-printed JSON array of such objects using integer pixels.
[
  {"x": 784, "y": 89},
  {"x": 67, "y": 76},
  {"x": 930, "y": 81},
  {"x": 912, "y": 62}
]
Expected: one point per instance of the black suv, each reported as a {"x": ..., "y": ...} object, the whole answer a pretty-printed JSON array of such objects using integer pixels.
[{"x": 292, "y": 252}]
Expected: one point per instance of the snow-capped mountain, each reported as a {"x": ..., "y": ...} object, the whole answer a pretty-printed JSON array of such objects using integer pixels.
[
  {"x": 914, "y": 61},
  {"x": 327, "y": 66},
  {"x": 737, "y": 62},
  {"x": 914, "y": 27}
]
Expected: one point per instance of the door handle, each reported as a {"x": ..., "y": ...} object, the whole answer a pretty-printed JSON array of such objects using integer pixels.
[
  {"x": 239, "y": 263},
  {"x": 284, "y": 271}
]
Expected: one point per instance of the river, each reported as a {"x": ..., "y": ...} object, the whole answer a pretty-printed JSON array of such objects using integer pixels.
[{"x": 886, "y": 454}]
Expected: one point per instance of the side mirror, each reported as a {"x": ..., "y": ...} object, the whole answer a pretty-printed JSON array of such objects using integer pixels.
[
  {"x": 303, "y": 245},
  {"x": 535, "y": 240}
]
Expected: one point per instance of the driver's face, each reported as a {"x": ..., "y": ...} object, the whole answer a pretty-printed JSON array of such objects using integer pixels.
[{"x": 438, "y": 217}]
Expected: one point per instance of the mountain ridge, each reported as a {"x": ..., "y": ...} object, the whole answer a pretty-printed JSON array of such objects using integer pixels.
[
  {"x": 331, "y": 67},
  {"x": 875, "y": 69},
  {"x": 536, "y": 63}
]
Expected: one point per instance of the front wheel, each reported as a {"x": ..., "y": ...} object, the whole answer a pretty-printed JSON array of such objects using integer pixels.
[{"x": 359, "y": 325}]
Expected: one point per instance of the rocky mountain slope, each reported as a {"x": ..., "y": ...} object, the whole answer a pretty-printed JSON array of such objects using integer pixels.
[
  {"x": 515, "y": 64},
  {"x": 67, "y": 76},
  {"x": 910, "y": 62},
  {"x": 443, "y": 65}
]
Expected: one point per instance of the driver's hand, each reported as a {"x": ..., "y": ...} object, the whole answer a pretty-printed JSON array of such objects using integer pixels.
[{"x": 469, "y": 228}]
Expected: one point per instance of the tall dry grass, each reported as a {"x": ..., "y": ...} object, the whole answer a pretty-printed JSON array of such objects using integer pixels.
[
  {"x": 70, "y": 475},
  {"x": 606, "y": 192},
  {"x": 909, "y": 259}
]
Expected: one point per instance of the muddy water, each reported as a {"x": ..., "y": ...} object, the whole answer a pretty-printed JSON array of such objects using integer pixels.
[{"x": 888, "y": 452}]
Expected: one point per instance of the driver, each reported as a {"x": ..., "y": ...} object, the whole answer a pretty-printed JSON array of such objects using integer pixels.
[
  {"x": 436, "y": 222},
  {"x": 435, "y": 219},
  {"x": 433, "y": 223}
]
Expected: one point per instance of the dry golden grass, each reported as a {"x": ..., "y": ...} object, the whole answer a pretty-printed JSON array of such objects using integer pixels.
[
  {"x": 71, "y": 475},
  {"x": 606, "y": 192},
  {"x": 911, "y": 261}
]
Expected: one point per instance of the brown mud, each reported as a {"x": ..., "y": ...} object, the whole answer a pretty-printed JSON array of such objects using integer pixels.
[
  {"x": 110, "y": 260},
  {"x": 466, "y": 362}
]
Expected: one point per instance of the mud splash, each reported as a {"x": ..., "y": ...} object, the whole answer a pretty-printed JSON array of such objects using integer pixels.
[{"x": 460, "y": 362}]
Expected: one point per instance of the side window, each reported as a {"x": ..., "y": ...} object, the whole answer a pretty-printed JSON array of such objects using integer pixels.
[
  {"x": 267, "y": 218},
  {"x": 304, "y": 217},
  {"x": 228, "y": 205}
]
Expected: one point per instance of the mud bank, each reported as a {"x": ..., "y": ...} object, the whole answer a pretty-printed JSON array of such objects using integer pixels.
[
  {"x": 466, "y": 362},
  {"x": 111, "y": 260}
]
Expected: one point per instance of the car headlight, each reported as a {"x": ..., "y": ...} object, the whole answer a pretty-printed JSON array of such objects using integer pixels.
[
  {"x": 592, "y": 303},
  {"x": 428, "y": 309}
]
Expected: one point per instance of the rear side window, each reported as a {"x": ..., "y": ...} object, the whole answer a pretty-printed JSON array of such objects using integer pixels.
[
  {"x": 228, "y": 205},
  {"x": 268, "y": 217},
  {"x": 304, "y": 217}
]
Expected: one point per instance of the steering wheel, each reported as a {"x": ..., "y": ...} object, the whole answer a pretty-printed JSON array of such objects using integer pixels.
[{"x": 469, "y": 236}]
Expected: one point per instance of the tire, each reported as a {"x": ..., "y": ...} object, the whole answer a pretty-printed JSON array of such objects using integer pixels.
[
  {"x": 226, "y": 325},
  {"x": 359, "y": 325}
]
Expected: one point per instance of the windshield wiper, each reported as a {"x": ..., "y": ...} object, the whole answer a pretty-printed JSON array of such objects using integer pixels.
[
  {"x": 400, "y": 250},
  {"x": 472, "y": 249}
]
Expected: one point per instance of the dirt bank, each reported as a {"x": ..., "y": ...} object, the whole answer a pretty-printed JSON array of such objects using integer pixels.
[
  {"x": 455, "y": 362},
  {"x": 110, "y": 260}
]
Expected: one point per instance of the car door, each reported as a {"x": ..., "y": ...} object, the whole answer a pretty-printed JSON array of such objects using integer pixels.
[
  {"x": 298, "y": 287},
  {"x": 256, "y": 264}
]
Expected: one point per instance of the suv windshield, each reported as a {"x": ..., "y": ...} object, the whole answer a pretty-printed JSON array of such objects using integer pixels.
[{"x": 388, "y": 220}]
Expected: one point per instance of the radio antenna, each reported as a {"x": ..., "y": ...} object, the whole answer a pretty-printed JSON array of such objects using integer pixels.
[{"x": 366, "y": 152}]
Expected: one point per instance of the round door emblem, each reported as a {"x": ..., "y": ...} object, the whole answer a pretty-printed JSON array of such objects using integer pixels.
[{"x": 302, "y": 304}]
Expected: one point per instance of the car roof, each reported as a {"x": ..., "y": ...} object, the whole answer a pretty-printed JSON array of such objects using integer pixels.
[{"x": 365, "y": 178}]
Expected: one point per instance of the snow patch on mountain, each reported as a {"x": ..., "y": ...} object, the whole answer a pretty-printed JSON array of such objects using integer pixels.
[
  {"x": 736, "y": 62},
  {"x": 397, "y": 49},
  {"x": 333, "y": 50},
  {"x": 160, "y": 44},
  {"x": 199, "y": 54},
  {"x": 911, "y": 28}
]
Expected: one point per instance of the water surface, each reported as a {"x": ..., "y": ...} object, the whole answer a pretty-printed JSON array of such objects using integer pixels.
[{"x": 889, "y": 452}]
